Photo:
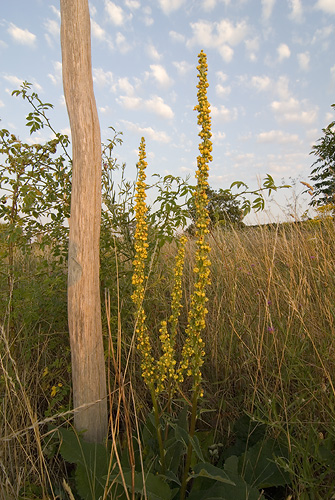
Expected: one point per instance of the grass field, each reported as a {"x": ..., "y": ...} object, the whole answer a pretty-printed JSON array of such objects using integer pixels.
[{"x": 270, "y": 353}]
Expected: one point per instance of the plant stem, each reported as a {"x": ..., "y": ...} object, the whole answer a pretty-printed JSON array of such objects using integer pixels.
[
  {"x": 189, "y": 448},
  {"x": 158, "y": 429}
]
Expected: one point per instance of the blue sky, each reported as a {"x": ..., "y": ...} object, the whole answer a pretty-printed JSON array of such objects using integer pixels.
[{"x": 271, "y": 80}]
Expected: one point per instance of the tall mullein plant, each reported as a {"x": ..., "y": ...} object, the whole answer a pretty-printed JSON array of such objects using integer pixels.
[
  {"x": 163, "y": 374},
  {"x": 159, "y": 375},
  {"x": 139, "y": 264},
  {"x": 193, "y": 350}
]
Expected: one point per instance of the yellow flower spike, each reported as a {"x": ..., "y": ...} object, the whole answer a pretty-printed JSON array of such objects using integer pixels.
[
  {"x": 139, "y": 277},
  {"x": 193, "y": 350}
]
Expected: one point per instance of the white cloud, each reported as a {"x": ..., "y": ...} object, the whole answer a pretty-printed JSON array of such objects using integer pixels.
[
  {"x": 221, "y": 76},
  {"x": 100, "y": 34},
  {"x": 24, "y": 37},
  {"x": 48, "y": 39},
  {"x": 293, "y": 110},
  {"x": 97, "y": 31},
  {"x": 284, "y": 163},
  {"x": 322, "y": 34},
  {"x": 153, "y": 52},
  {"x": 332, "y": 73},
  {"x": 296, "y": 10},
  {"x": 56, "y": 77},
  {"x": 55, "y": 11},
  {"x": 183, "y": 67},
  {"x": 224, "y": 113},
  {"x": 1, "y": 104},
  {"x": 66, "y": 131},
  {"x": 155, "y": 135},
  {"x": 303, "y": 60},
  {"x": 148, "y": 21},
  {"x": 252, "y": 47},
  {"x": 61, "y": 101},
  {"x": 93, "y": 9},
  {"x": 222, "y": 91},
  {"x": 102, "y": 78},
  {"x": 130, "y": 102},
  {"x": 208, "y": 4},
  {"x": 154, "y": 105},
  {"x": 279, "y": 87},
  {"x": 122, "y": 43},
  {"x": 312, "y": 135},
  {"x": 115, "y": 13},
  {"x": 267, "y": 8},
  {"x": 218, "y": 137},
  {"x": 176, "y": 37},
  {"x": 125, "y": 86},
  {"x": 169, "y": 6},
  {"x": 283, "y": 51},
  {"x": 278, "y": 166},
  {"x": 160, "y": 75},
  {"x": 14, "y": 80},
  {"x": 158, "y": 106},
  {"x": 327, "y": 6},
  {"x": 203, "y": 32},
  {"x": 226, "y": 53},
  {"x": 278, "y": 137},
  {"x": 52, "y": 27},
  {"x": 38, "y": 138},
  {"x": 218, "y": 35},
  {"x": 104, "y": 109},
  {"x": 261, "y": 83},
  {"x": 132, "y": 4},
  {"x": 147, "y": 17},
  {"x": 243, "y": 158},
  {"x": 282, "y": 87}
]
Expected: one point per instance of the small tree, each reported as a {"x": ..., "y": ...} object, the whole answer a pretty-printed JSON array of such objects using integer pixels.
[
  {"x": 323, "y": 172},
  {"x": 224, "y": 209}
]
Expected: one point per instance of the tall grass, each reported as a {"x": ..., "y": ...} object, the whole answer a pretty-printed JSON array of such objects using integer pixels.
[{"x": 270, "y": 353}]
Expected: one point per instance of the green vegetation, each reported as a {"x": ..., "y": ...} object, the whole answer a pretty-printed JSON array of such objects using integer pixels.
[
  {"x": 269, "y": 359},
  {"x": 323, "y": 169},
  {"x": 224, "y": 209},
  {"x": 217, "y": 390}
]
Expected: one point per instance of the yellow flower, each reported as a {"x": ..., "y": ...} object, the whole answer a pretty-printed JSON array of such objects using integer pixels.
[
  {"x": 193, "y": 352},
  {"x": 157, "y": 373}
]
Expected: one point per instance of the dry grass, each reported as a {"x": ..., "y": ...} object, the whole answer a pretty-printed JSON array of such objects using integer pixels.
[{"x": 270, "y": 342}]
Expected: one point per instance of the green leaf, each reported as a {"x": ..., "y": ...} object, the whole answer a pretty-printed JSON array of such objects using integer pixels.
[
  {"x": 171, "y": 476},
  {"x": 183, "y": 436},
  {"x": 155, "y": 486},
  {"x": 238, "y": 184},
  {"x": 212, "y": 472},
  {"x": 238, "y": 489},
  {"x": 259, "y": 468},
  {"x": 231, "y": 465},
  {"x": 92, "y": 464}
]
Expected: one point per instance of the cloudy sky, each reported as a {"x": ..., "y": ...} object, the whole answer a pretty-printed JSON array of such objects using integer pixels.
[{"x": 271, "y": 79}]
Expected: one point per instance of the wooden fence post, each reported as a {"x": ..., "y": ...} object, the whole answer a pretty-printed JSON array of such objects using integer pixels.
[{"x": 84, "y": 306}]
